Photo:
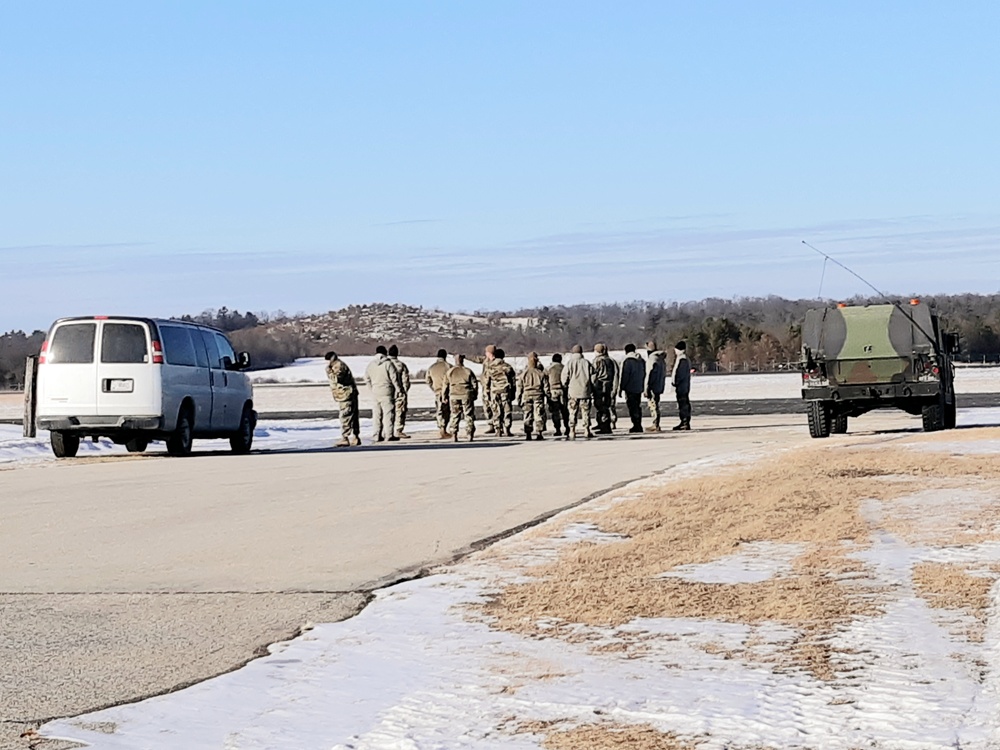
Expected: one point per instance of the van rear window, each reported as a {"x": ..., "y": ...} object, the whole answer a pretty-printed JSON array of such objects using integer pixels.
[
  {"x": 72, "y": 343},
  {"x": 177, "y": 346},
  {"x": 123, "y": 343}
]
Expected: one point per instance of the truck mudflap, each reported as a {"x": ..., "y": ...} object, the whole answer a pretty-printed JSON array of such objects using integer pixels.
[{"x": 872, "y": 392}]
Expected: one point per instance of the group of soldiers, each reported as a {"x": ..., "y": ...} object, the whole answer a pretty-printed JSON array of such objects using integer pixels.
[{"x": 567, "y": 392}]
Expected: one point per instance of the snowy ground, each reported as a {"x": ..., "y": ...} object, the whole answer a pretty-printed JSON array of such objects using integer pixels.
[
  {"x": 421, "y": 668},
  {"x": 290, "y": 434}
]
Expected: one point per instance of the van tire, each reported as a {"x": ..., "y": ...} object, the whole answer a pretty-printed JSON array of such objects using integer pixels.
[
  {"x": 179, "y": 443},
  {"x": 136, "y": 445},
  {"x": 242, "y": 440},
  {"x": 64, "y": 444}
]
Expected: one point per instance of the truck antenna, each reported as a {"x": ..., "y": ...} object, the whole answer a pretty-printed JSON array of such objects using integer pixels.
[{"x": 877, "y": 291}]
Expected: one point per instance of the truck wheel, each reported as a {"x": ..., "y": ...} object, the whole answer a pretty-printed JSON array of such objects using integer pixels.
[
  {"x": 932, "y": 416},
  {"x": 179, "y": 443},
  {"x": 64, "y": 444},
  {"x": 136, "y": 445},
  {"x": 819, "y": 419},
  {"x": 839, "y": 425},
  {"x": 242, "y": 440}
]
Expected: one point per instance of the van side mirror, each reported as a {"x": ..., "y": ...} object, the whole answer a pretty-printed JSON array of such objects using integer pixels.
[
  {"x": 243, "y": 359},
  {"x": 227, "y": 363}
]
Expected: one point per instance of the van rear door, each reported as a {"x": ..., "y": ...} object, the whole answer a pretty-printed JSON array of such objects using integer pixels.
[
  {"x": 67, "y": 377},
  {"x": 126, "y": 382}
]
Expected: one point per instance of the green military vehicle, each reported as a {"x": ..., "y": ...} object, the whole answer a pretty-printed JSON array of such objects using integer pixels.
[{"x": 859, "y": 358}]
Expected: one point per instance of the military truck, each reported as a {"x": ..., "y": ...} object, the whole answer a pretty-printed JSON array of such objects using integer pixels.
[{"x": 892, "y": 356}]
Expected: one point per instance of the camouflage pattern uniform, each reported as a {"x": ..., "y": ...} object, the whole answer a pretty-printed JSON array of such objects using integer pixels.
[
  {"x": 461, "y": 389},
  {"x": 558, "y": 403},
  {"x": 383, "y": 379},
  {"x": 403, "y": 396},
  {"x": 656, "y": 379},
  {"x": 606, "y": 379},
  {"x": 501, "y": 387},
  {"x": 532, "y": 393},
  {"x": 345, "y": 392},
  {"x": 578, "y": 379},
  {"x": 436, "y": 375},
  {"x": 486, "y": 361}
]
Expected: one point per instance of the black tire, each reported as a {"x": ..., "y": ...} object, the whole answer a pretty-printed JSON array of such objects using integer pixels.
[
  {"x": 819, "y": 419},
  {"x": 180, "y": 442},
  {"x": 64, "y": 444},
  {"x": 838, "y": 426},
  {"x": 136, "y": 445},
  {"x": 932, "y": 416},
  {"x": 242, "y": 441}
]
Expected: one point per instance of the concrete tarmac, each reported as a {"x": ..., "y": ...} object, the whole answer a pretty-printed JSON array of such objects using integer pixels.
[{"x": 126, "y": 577}]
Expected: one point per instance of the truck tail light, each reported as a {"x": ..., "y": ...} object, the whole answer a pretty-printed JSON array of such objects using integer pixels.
[
  {"x": 157, "y": 353},
  {"x": 42, "y": 354}
]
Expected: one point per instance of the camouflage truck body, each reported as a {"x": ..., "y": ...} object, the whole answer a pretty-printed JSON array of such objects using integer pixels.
[{"x": 856, "y": 359}]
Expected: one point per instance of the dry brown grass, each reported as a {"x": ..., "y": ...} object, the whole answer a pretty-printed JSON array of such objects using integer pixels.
[
  {"x": 813, "y": 497},
  {"x": 606, "y": 737},
  {"x": 952, "y": 586}
]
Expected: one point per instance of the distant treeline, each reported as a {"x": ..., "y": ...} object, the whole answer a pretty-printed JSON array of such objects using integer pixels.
[{"x": 759, "y": 333}]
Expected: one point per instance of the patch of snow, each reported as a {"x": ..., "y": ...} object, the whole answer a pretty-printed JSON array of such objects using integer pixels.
[{"x": 754, "y": 563}]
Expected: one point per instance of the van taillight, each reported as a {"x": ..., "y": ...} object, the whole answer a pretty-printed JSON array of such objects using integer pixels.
[
  {"x": 157, "y": 353},
  {"x": 41, "y": 354}
]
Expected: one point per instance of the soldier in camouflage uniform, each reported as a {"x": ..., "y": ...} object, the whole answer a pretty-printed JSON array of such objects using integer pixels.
[
  {"x": 461, "y": 389},
  {"x": 383, "y": 379},
  {"x": 345, "y": 392},
  {"x": 656, "y": 379},
  {"x": 578, "y": 380},
  {"x": 501, "y": 387},
  {"x": 606, "y": 378},
  {"x": 532, "y": 393},
  {"x": 403, "y": 396},
  {"x": 436, "y": 375},
  {"x": 558, "y": 402},
  {"x": 486, "y": 361}
]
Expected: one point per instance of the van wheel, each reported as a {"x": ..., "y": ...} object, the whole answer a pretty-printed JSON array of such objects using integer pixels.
[
  {"x": 179, "y": 443},
  {"x": 64, "y": 444},
  {"x": 819, "y": 419},
  {"x": 242, "y": 440},
  {"x": 136, "y": 445}
]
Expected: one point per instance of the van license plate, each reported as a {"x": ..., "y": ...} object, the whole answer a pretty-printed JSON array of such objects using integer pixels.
[{"x": 120, "y": 386}]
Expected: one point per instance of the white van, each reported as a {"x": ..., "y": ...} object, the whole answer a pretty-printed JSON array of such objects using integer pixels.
[{"x": 137, "y": 379}]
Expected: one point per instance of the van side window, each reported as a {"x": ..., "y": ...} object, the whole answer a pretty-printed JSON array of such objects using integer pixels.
[
  {"x": 123, "y": 343},
  {"x": 200, "y": 354},
  {"x": 225, "y": 348},
  {"x": 214, "y": 358},
  {"x": 72, "y": 343},
  {"x": 177, "y": 346}
]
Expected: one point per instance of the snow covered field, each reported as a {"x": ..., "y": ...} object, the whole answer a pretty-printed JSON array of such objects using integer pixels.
[{"x": 424, "y": 667}]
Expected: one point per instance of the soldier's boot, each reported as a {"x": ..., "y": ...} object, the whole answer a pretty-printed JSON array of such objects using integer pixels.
[
  {"x": 472, "y": 435},
  {"x": 343, "y": 443},
  {"x": 652, "y": 428},
  {"x": 392, "y": 439},
  {"x": 356, "y": 441},
  {"x": 558, "y": 432},
  {"x": 490, "y": 429},
  {"x": 571, "y": 434},
  {"x": 538, "y": 436},
  {"x": 403, "y": 436},
  {"x": 527, "y": 433},
  {"x": 445, "y": 434}
]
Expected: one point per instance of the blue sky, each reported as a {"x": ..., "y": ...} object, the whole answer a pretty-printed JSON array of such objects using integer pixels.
[{"x": 165, "y": 157}]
